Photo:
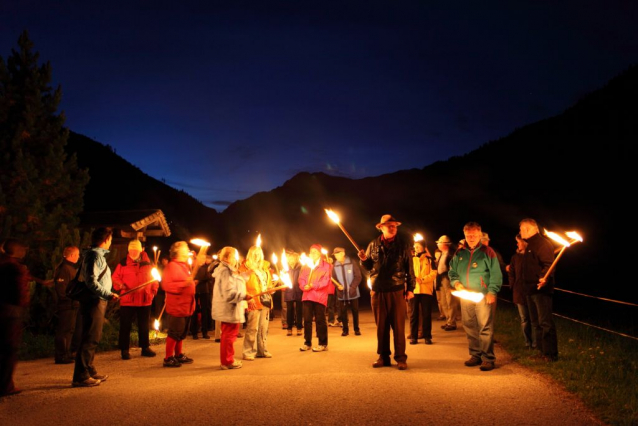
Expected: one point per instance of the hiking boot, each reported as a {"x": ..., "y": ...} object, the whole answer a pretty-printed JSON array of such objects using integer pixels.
[
  {"x": 248, "y": 358},
  {"x": 233, "y": 366},
  {"x": 195, "y": 337},
  {"x": 183, "y": 359},
  {"x": 305, "y": 348},
  {"x": 487, "y": 366},
  {"x": 414, "y": 341},
  {"x": 473, "y": 361},
  {"x": 299, "y": 332},
  {"x": 402, "y": 366},
  {"x": 88, "y": 383},
  {"x": 289, "y": 333},
  {"x": 320, "y": 348},
  {"x": 357, "y": 333},
  {"x": 345, "y": 333},
  {"x": 148, "y": 352},
  {"x": 206, "y": 336},
  {"x": 171, "y": 361},
  {"x": 126, "y": 355},
  {"x": 449, "y": 327},
  {"x": 428, "y": 341}
]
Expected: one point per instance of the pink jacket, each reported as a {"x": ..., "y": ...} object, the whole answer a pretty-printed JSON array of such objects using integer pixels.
[
  {"x": 320, "y": 280},
  {"x": 180, "y": 293},
  {"x": 128, "y": 277}
]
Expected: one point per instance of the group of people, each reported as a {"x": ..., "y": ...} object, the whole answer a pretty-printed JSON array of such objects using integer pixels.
[{"x": 399, "y": 271}]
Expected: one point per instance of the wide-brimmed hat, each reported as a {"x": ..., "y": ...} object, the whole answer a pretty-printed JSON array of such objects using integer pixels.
[
  {"x": 387, "y": 218},
  {"x": 444, "y": 239},
  {"x": 338, "y": 250},
  {"x": 485, "y": 236}
]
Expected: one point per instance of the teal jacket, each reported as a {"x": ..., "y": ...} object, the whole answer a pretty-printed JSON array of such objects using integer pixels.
[{"x": 477, "y": 270}]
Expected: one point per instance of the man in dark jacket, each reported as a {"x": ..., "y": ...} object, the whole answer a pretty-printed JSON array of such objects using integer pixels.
[
  {"x": 388, "y": 259},
  {"x": 203, "y": 301},
  {"x": 68, "y": 330},
  {"x": 348, "y": 275},
  {"x": 538, "y": 257},
  {"x": 14, "y": 299}
]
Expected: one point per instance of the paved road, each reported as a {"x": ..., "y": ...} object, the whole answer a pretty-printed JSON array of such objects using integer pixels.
[{"x": 337, "y": 387}]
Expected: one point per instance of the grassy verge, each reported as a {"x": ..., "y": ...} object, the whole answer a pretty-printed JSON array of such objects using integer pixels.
[
  {"x": 42, "y": 345},
  {"x": 597, "y": 366}
]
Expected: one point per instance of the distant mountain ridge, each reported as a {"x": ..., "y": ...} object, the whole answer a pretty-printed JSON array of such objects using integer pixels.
[
  {"x": 116, "y": 184},
  {"x": 565, "y": 171}
]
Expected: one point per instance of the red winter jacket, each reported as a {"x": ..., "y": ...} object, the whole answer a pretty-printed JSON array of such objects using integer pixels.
[
  {"x": 128, "y": 277},
  {"x": 180, "y": 293}
]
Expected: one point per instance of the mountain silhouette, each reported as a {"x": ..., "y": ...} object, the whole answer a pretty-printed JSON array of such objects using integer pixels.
[{"x": 569, "y": 172}]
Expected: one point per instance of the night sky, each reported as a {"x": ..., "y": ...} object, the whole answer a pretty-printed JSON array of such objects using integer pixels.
[{"x": 224, "y": 99}]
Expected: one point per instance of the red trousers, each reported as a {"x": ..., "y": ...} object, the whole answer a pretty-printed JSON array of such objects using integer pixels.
[{"x": 226, "y": 349}]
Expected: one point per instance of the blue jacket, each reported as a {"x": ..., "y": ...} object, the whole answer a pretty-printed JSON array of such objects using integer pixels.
[
  {"x": 477, "y": 269},
  {"x": 349, "y": 276},
  {"x": 94, "y": 265}
]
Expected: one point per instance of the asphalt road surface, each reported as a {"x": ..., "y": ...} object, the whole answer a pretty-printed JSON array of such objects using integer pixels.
[{"x": 336, "y": 387}]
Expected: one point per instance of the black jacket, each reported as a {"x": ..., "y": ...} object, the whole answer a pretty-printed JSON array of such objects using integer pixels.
[
  {"x": 64, "y": 273},
  {"x": 390, "y": 265},
  {"x": 537, "y": 259}
]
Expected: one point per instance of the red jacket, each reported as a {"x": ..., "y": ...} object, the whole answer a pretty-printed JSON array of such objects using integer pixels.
[
  {"x": 128, "y": 277},
  {"x": 180, "y": 293}
]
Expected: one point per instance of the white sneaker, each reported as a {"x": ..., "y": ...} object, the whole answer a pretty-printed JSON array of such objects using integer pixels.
[
  {"x": 248, "y": 358},
  {"x": 320, "y": 348},
  {"x": 305, "y": 348},
  {"x": 234, "y": 365}
]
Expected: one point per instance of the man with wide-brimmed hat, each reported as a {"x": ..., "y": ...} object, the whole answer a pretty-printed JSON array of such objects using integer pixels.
[{"x": 388, "y": 259}]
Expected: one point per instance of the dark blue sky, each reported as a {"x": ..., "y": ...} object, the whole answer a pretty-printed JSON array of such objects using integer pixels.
[{"x": 228, "y": 98}]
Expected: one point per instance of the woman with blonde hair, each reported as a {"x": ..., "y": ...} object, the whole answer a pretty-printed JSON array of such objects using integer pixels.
[
  {"x": 258, "y": 279},
  {"x": 229, "y": 295}
]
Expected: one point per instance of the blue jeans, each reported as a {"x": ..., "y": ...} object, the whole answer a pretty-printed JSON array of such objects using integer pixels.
[
  {"x": 478, "y": 322},
  {"x": 529, "y": 333},
  {"x": 540, "y": 310}
]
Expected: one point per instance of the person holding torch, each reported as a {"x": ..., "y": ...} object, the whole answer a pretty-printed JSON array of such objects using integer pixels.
[
  {"x": 314, "y": 280},
  {"x": 179, "y": 286},
  {"x": 133, "y": 271},
  {"x": 229, "y": 306},
  {"x": 388, "y": 259},
  {"x": 475, "y": 268},
  {"x": 539, "y": 289}
]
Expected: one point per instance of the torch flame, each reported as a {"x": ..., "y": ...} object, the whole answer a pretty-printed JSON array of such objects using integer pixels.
[
  {"x": 369, "y": 284},
  {"x": 237, "y": 256},
  {"x": 574, "y": 236},
  {"x": 284, "y": 261},
  {"x": 303, "y": 259},
  {"x": 215, "y": 257},
  {"x": 274, "y": 259},
  {"x": 560, "y": 240},
  {"x": 156, "y": 325},
  {"x": 190, "y": 261},
  {"x": 258, "y": 242},
  {"x": 200, "y": 242},
  {"x": 418, "y": 237},
  {"x": 154, "y": 248},
  {"x": 468, "y": 295},
  {"x": 275, "y": 277},
  {"x": 155, "y": 273},
  {"x": 332, "y": 215},
  {"x": 324, "y": 252}
]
